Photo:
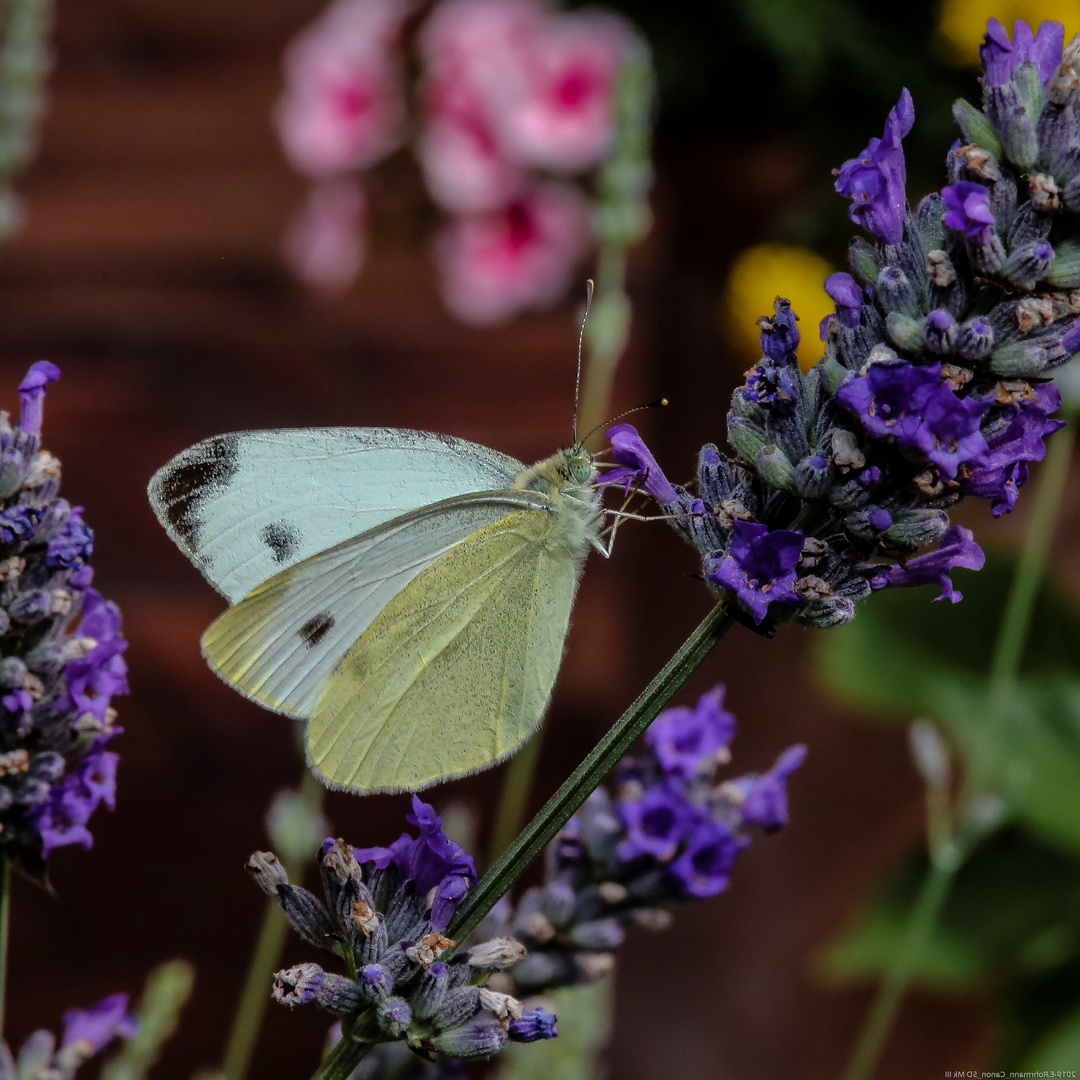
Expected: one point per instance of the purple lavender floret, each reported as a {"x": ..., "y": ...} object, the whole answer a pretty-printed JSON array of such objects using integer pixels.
[
  {"x": 609, "y": 868},
  {"x": 1000, "y": 56},
  {"x": 430, "y": 861},
  {"x": 636, "y": 466},
  {"x": 61, "y": 647},
  {"x": 690, "y": 742},
  {"x": 875, "y": 180},
  {"x": 968, "y": 210},
  {"x": 764, "y": 798},
  {"x": 97, "y": 1026},
  {"x": 957, "y": 548},
  {"x": 760, "y": 568},
  {"x": 910, "y": 403},
  {"x": 1016, "y": 439},
  {"x": 86, "y": 1033},
  {"x": 704, "y": 866},
  {"x": 844, "y": 291}
]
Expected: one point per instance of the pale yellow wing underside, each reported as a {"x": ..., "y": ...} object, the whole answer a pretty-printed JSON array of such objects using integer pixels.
[
  {"x": 456, "y": 670},
  {"x": 281, "y": 644}
]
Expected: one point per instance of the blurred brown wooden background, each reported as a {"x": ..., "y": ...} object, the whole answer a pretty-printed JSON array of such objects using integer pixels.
[{"x": 149, "y": 270}]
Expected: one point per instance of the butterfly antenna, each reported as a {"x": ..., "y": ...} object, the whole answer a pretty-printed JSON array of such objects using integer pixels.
[
  {"x": 637, "y": 408},
  {"x": 590, "y": 288}
]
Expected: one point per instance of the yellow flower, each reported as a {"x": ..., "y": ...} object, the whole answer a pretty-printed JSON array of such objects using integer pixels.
[
  {"x": 963, "y": 22},
  {"x": 764, "y": 272}
]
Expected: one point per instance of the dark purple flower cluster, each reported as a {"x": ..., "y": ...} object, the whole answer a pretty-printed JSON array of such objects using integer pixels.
[
  {"x": 60, "y": 649},
  {"x": 387, "y": 923},
  {"x": 935, "y": 380},
  {"x": 667, "y": 834},
  {"x": 86, "y": 1033}
]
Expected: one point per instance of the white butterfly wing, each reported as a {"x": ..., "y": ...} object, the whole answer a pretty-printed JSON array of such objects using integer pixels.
[
  {"x": 281, "y": 644},
  {"x": 246, "y": 506}
]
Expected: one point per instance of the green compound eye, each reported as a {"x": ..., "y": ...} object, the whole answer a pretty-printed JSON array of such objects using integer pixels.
[{"x": 580, "y": 468}]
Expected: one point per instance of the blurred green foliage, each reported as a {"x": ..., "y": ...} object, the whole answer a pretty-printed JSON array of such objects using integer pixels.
[{"x": 1010, "y": 930}]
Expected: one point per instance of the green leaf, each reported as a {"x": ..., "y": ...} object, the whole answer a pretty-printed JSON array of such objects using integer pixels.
[
  {"x": 584, "y": 1022},
  {"x": 901, "y": 648},
  {"x": 1026, "y": 748},
  {"x": 1059, "y": 1050},
  {"x": 1013, "y": 913}
]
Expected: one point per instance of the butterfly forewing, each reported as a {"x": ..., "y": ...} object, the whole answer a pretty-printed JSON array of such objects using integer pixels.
[
  {"x": 280, "y": 645},
  {"x": 456, "y": 671},
  {"x": 248, "y": 505}
]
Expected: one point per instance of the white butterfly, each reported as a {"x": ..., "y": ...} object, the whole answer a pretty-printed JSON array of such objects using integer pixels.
[{"x": 405, "y": 593}]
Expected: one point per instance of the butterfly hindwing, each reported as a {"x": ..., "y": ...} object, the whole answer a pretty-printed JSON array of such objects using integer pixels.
[
  {"x": 281, "y": 644},
  {"x": 456, "y": 671},
  {"x": 248, "y": 505}
]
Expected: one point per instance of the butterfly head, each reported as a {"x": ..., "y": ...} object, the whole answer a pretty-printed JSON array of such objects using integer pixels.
[{"x": 578, "y": 464}]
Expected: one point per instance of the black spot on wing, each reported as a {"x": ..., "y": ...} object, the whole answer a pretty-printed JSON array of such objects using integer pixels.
[
  {"x": 206, "y": 468},
  {"x": 316, "y": 628},
  {"x": 282, "y": 539}
]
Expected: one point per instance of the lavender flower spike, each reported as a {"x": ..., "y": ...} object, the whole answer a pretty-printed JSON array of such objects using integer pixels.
[
  {"x": 604, "y": 873},
  {"x": 956, "y": 549},
  {"x": 875, "y": 180},
  {"x": 61, "y": 647}
]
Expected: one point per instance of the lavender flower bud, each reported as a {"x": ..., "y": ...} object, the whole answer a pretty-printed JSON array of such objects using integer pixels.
[
  {"x": 894, "y": 292},
  {"x": 498, "y": 954},
  {"x": 430, "y": 992},
  {"x": 478, "y": 1038},
  {"x": 376, "y": 982},
  {"x": 918, "y": 527},
  {"x": 975, "y": 340},
  {"x": 307, "y": 916},
  {"x": 600, "y": 935},
  {"x": 267, "y": 872},
  {"x": 1028, "y": 265},
  {"x": 298, "y": 985},
  {"x": 774, "y": 465},
  {"x": 394, "y": 1016},
  {"x": 940, "y": 332},
  {"x": 534, "y": 1024},
  {"x": 904, "y": 332}
]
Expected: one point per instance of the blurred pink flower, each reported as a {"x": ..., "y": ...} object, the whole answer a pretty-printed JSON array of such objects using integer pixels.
[
  {"x": 562, "y": 116},
  {"x": 522, "y": 256},
  {"x": 464, "y": 166},
  {"x": 473, "y": 54},
  {"x": 324, "y": 245},
  {"x": 344, "y": 105}
]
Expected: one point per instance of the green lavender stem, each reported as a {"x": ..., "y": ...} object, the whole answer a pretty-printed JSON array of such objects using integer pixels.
[
  {"x": 1025, "y": 587},
  {"x": 264, "y": 962},
  {"x": 1004, "y": 669},
  {"x": 921, "y": 921},
  {"x": 340, "y": 1062}
]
